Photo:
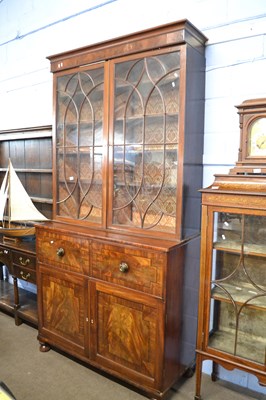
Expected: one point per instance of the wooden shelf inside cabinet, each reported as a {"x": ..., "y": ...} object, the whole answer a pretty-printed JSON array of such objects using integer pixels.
[
  {"x": 241, "y": 295},
  {"x": 151, "y": 117},
  {"x": 74, "y": 151},
  {"x": 236, "y": 247}
]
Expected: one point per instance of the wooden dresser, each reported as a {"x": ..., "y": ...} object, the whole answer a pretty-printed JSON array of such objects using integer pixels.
[
  {"x": 30, "y": 150},
  {"x": 20, "y": 260}
]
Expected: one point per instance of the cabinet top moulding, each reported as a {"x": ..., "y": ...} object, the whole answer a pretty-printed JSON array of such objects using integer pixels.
[
  {"x": 234, "y": 190},
  {"x": 159, "y": 37}
]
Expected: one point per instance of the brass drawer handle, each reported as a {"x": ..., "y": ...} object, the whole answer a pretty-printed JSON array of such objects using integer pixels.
[
  {"x": 24, "y": 263},
  {"x": 123, "y": 267},
  {"x": 25, "y": 277},
  {"x": 60, "y": 252}
]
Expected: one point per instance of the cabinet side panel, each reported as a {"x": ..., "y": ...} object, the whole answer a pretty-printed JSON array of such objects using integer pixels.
[
  {"x": 173, "y": 323},
  {"x": 193, "y": 146},
  {"x": 190, "y": 302}
]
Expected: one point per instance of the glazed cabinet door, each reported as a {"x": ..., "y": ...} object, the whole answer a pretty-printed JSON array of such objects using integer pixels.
[
  {"x": 145, "y": 142},
  {"x": 126, "y": 333},
  {"x": 237, "y": 304},
  {"x": 62, "y": 309},
  {"x": 80, "y": 144}
]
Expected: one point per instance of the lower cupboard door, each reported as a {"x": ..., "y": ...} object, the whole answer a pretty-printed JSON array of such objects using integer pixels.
[
  {"x": 62, "y": 310},
  {"x": 126, "y": 333}
]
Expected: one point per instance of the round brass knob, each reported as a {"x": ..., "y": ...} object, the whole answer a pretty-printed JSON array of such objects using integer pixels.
[
  {"x": 60, "y": 252},
  {"x": 123, "y": 267}
]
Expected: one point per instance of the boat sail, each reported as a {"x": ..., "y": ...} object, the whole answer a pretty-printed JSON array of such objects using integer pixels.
[{"x": 19, "y": 206}]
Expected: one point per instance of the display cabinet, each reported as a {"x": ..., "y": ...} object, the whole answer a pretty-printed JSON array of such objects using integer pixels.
[
  {"x": 111, "y": 267},
  {"x": 232, "y": 310}
]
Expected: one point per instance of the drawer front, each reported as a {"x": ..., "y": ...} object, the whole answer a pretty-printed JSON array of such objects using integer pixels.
[
  {"x": 131, "y": 267},
  {"x": 24, "y": 260},
  {"x": 25, "y": 274},
  {"x": 67, "y": 252},
  {"x": 5, "y": 256}
]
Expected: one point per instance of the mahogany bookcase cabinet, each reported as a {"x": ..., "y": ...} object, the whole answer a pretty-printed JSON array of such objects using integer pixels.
[{"x": 112, "y": 265}]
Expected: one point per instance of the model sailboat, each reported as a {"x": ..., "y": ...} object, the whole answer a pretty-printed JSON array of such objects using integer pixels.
[{"x": 16, "y": 207}]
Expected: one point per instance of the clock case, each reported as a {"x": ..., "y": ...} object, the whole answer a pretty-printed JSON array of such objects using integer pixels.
[{"x": 249, "y": 111}]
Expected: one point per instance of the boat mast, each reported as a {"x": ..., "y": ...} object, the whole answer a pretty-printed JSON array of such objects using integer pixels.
[{"x": 9, "y": 194}]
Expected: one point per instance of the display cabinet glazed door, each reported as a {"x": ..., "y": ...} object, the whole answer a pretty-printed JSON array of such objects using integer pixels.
[
  {"x": 126, "y": 333},
  {"x": 79, "y": 144},
  {"x": 62, "y": 311},
  {"x": 145, "y": 142},
  {"x": 237, "y": 313}
]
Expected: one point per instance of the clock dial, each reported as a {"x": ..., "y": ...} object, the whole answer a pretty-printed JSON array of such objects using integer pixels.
[{"x": 257, "y": 138}]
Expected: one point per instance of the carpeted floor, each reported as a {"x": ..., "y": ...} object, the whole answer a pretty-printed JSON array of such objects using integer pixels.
[{"x": 32, "y": 375}]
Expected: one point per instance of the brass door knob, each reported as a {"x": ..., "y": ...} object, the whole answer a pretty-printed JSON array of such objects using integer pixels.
[
  {"x": 60, "y": 252},
  {"x": 123, "y": 267}
]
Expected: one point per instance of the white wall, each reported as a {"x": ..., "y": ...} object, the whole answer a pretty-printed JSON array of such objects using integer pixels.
[{"x": 30, "y": 30}]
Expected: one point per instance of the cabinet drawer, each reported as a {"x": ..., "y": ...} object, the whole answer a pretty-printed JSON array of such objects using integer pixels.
[
  {"x": 5, "y": 256},
  {"x": 25, "y": 274},
  {"x": 24, "y": 260},
  {"x": 131, "y": 267},
  {"x": 67, "y": 252}
]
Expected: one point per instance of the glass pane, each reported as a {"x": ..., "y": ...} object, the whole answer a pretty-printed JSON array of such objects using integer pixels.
[
  {"x": 79, "y": 143},
  {"x": 238, "y": 286},
  {"x": 146, "y": 142}
]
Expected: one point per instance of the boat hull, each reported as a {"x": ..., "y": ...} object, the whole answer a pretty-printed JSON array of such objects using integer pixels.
[{"x": 19, "y": 232}]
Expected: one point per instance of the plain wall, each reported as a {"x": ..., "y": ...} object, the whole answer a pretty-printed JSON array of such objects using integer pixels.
[{"x": 31, "y": 30}]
